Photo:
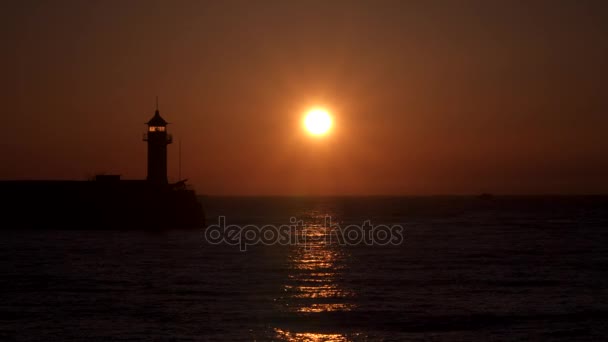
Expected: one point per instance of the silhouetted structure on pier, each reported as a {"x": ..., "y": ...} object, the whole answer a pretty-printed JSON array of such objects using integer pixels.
[
  {"x": 158, "y": 139},
  {"x": 107, "y": 202}
]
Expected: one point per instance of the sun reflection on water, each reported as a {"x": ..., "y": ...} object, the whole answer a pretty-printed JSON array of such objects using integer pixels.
[
  {"x": 309, "y": 337},
  {"x": 314, "y": 283},
  {"x": 326, "y": 307}
]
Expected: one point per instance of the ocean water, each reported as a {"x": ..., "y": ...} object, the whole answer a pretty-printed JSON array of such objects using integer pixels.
[{"x": 503, "y": 269}]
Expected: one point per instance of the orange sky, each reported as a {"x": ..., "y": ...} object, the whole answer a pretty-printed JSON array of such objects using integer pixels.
[{"x": 429, "y": 97}]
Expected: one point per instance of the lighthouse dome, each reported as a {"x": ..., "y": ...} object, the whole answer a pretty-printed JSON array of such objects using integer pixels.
[{"x": 157, "y": 120}]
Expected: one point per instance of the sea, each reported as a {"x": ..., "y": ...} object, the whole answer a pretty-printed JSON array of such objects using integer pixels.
[{"x": 499, "y": 268}]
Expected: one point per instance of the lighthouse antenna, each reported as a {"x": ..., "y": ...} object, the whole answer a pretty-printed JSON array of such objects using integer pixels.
[
  {"x": 179, "y": 162},
  {"x": 157, "y": 103}
]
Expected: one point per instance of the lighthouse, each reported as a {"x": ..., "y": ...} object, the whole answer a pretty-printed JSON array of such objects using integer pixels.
[{"x": 157, "y": 139}]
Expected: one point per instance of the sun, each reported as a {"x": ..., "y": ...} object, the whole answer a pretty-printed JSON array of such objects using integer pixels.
[{"x": 318, "y": 121}]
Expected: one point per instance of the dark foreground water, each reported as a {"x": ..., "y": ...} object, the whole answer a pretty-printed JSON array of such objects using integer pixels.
[{"x": 468, "y": 269}]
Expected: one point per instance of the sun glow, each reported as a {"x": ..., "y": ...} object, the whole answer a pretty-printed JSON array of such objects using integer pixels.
[{"x": 317, "y": 121}]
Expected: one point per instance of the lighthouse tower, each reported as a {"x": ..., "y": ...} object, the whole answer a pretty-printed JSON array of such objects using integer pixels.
[{"x": 157, "y": 139}]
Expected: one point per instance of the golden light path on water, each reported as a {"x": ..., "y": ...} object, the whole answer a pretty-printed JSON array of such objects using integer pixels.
[
  {"x": 309, "y": 337},
  {"x": 312, "y": 285}
]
